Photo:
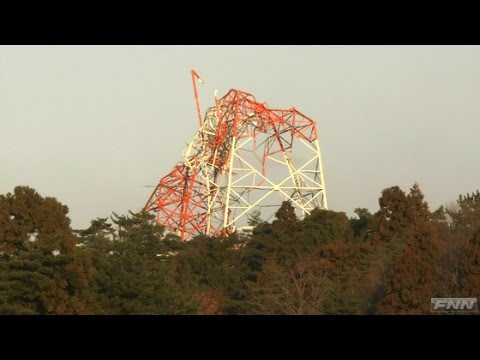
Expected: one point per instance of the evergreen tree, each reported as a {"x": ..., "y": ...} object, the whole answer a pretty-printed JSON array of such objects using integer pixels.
[
  {"x": 361, "y": 224},
  {"x": 137, "y": 276},
  {"x": 209, "y": 271},
  {"x": 413, "y": 280},
  {"x": 280, "y": 239},
  {"x": 323, "y": 226},
  {"x": 42, "y": 269},
  {"x": 393, "y": 217},
  {"x": 470, "y": 284},
  {"x": 419, "y": 210}
]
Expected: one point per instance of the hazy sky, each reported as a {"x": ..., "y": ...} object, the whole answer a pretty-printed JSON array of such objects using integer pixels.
[{"x": 91, "y": 125}]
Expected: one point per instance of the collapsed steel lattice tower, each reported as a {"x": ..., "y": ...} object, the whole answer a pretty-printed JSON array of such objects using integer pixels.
[{"x": 245, "y": 156}]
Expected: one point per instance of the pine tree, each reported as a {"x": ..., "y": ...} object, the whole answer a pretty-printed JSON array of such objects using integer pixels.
[{"x": 137, "y": 275}]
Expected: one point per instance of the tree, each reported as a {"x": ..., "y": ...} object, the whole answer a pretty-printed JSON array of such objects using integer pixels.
[
  {"x": 398, "y": 213},
  {"x": 361, "y": 224},
  {"x": 281, "y": 239},
  {"x": 42, "y": 269},
  {"x": 468, "y": 209},
  {"x": 209, "y": 271},
  {"x": 137, "y": 276},
  {"x": 413, "y": 280},
  {"x": 392, "y": 219},
  {"x": 286, "y": 214},
  {"x": 465, "y": 215},
  {"x": 323, "y": 226},
  {"x": 457, "y": 224},
  {"x": 287, "y": 272},
  {"x": 97, "y": 240},
  {"x": 302, "y": 288},
  {"x": 255, "y": 218},
  {"x": 25, "y": 217},
  {"x": 348, "y": 266},
  {"x": 470, "y": 284},
  {"x": 419, "y": 210}
]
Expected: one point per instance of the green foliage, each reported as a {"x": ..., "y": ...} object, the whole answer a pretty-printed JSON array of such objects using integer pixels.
[
  {"x": 323, "y": 226},
  {"x": 413, "y": 280},
  {"x": 286, "y": 214},
  {"x": 361, "y": 225},
  {"x": 41, "y": 269},
  {"x": 465, "y": 216},
  {"x": 25, "y": 217},
  {"x": 210, "y": 270},
  {"x": 389, "y": 262},
  {"x": 349, "y": 266},
  {"x": 134, "y": 276}
]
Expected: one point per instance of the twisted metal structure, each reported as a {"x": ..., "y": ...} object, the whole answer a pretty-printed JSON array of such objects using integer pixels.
[{"x": 244, "y": 156}]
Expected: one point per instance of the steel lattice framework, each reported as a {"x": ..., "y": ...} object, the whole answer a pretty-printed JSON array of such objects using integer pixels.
[{"x": 245, "y": 156}]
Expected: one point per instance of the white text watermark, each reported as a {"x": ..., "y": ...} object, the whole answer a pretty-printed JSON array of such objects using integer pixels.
[{"x": 454, "y": 304}]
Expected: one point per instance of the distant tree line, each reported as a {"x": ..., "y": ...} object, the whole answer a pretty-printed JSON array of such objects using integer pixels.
[{"x": 389, "y": 262}]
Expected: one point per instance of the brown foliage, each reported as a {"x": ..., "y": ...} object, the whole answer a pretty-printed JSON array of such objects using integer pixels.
[
  {"x": 211, "y": 302},
  {"x": 413, "y": 279},
  {"x": 471, "y": 268}
]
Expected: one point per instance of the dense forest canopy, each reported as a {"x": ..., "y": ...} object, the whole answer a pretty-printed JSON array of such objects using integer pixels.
[{"x": 390, "y": 262}]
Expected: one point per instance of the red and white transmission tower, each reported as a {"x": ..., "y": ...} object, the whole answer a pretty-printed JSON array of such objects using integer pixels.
[{"x": 245, "y": 156}]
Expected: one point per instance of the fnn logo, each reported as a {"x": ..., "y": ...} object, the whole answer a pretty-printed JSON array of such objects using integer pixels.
[{"x": 454, "y": 304}]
